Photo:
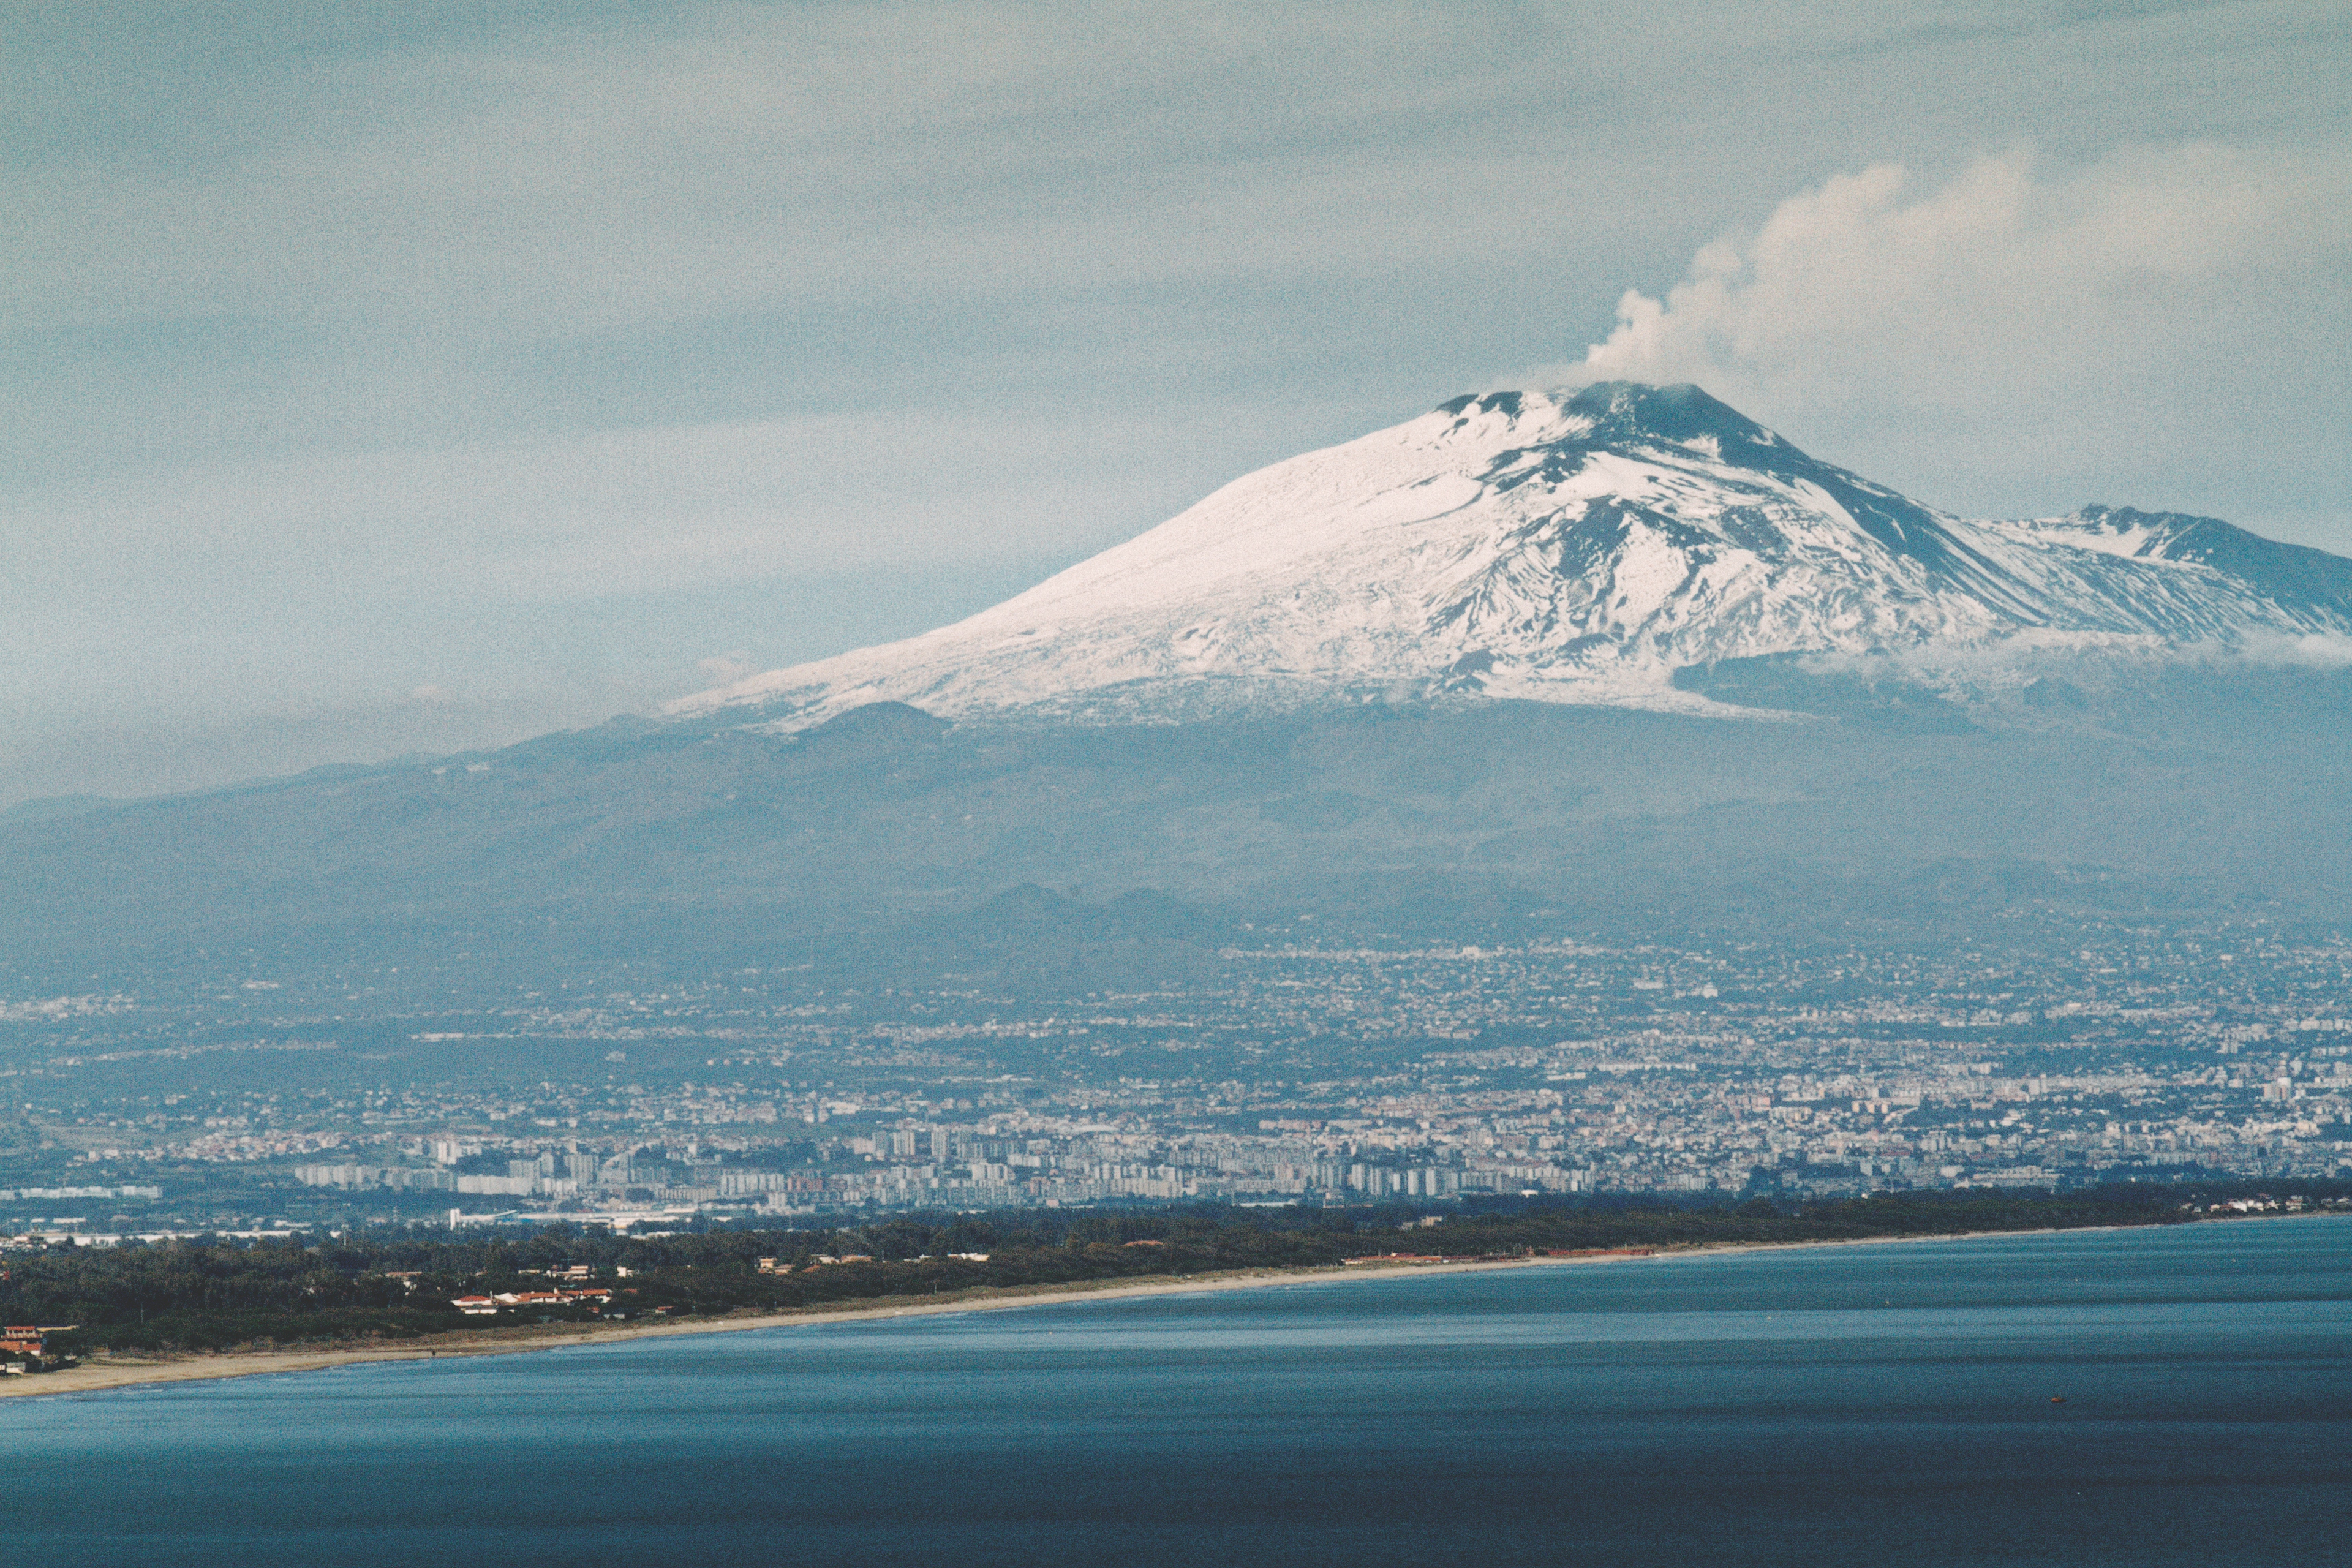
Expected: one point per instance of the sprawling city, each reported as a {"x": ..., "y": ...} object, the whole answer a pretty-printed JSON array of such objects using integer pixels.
[{"x": 1315, "y": 1075}]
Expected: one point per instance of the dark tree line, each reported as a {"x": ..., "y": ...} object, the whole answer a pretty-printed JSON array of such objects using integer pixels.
[{"x": 211, "y": 1293}]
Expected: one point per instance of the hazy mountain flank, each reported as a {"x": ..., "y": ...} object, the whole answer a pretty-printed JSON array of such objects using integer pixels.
[{"x": 1583, "y": 660}]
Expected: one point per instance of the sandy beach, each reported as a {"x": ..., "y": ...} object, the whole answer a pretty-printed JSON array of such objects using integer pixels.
[
  {"x": 101, "y": 1372},
  {"x": 122, "y": 1370}
]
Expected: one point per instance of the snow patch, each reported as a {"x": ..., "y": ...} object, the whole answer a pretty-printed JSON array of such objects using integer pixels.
[{"x": 1506, "y": 546}]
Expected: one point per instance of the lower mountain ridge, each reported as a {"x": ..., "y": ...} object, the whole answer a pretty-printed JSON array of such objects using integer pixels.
[{"x": 887, "y": 847}]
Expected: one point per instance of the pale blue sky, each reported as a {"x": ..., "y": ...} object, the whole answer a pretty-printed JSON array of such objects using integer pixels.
[{"x": 386, "y": 378}]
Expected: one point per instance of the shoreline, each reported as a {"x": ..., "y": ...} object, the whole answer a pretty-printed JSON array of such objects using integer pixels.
[{"x": 132, "y": 1370}]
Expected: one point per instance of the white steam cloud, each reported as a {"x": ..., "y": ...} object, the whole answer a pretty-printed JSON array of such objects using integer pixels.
[{"x": 2126, "y": 304}]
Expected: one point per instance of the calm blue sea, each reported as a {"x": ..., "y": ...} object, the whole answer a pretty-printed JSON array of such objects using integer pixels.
[{"x": 1880, "y": 1404}]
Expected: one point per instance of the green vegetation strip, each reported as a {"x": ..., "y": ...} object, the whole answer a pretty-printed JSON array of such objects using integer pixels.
[{"x": 366, "y": 1288}]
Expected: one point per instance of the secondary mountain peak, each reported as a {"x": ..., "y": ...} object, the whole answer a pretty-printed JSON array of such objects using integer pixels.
[{"x": 1574, "y": 546}]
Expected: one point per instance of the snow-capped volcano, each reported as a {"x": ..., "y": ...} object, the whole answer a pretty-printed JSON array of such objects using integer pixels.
[{"x": 1574, "y": 547}]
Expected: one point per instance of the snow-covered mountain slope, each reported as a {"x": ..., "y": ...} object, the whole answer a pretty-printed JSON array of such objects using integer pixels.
[{"x": 1568, "y": 547}]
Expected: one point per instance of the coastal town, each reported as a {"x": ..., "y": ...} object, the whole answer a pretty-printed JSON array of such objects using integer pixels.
[{"x": 1318, "y": 1076}]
